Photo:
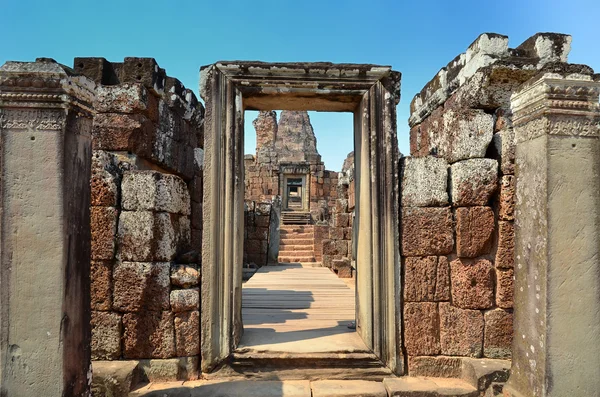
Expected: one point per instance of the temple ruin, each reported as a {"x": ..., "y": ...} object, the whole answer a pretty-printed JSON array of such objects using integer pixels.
[{"x": 474, "y": 259}]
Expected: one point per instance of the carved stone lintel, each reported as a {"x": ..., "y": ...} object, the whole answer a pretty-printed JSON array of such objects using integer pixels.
[{"x": 557, "y": 105}]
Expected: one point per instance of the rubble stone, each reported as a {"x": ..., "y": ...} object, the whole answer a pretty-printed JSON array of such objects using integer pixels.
[
  {"x": 424, "y": 181},
  {"x": 426, "y": 279},
  {"x": 106, "y": 335},
  {"x": 498, "y": 334},
  {"x": 185, "y": 299},
  {"x": 461, "y": 331},
  {"x": 148, "y": 334},
  {"x": 505, "y": 254},
  {"x": 474, "y": 231},
  {"x": 103, "y": 222},
  {"x": 473, "y": 181},
  {"x": 421, "y": 328},
  {"x": 141, "y": 286},
  {"x": 472, "y": 283},
  {"x": 185, "y": 276},
  {"x": 187, "y": 333},
  {"x": 426, "y": 231},
  {"x": 155, "y": 191}
]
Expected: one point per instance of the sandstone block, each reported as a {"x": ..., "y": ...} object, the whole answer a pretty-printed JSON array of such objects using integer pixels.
[
  {"x": 116, "y": 131},
  {"x": 104, "y": 180},
  {"x": 170, "y": 369},
  {"x": 185, "y": 276},
  {"x": 424, "y": 181},
  {"x": 185, "y": 299},
  {"x": 472, "y": 182},
  {"x": 506, "y": 211},
  {"x": 342, "y": 267},
  {"x": 148, "y": 334},
  {"x": 472, "y": 283},
  {"x": 505, "y": 254},
  {"x": 421, "y": 328},
  {"x": 341, "y": 220},
  {"x": 121, "y": 98},
  {"x": 435, "y": 366},
  {"x": 344, "y": 388},
  {"x": 101, "y": 285},
  {"x": 426, "y": 279},
  {"x": 106, "y": 335},
  {"x": 336, "y": 233},
  {"x": 155, "y": 191},
  {"x": 141, "y": 286},
  {"x": 426, "y": 231},
  {"x": 474, "y": 231},
  {"x": 335, "y": 247},
  {"x": 504, "y": 146},
  {"x": 498, "y": 334},
  {"x": 144, "y": 71},
  {"x": 149, "y": 236},
  {"x": 114, "y": 378},
  {"x": 187, "y": 333},
  {"x": 505, "y": 288},
  {"x": 103, "y": 221},
  {"x": 461, "y": 331}
]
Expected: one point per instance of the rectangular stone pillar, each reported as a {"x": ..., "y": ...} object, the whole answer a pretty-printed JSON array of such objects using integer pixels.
[
  {"x": 557, "y": 238},
  {"x": 45, "y": 127}
]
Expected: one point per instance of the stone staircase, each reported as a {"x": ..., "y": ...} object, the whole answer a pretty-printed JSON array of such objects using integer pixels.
[{"x": 296, "y": 244}]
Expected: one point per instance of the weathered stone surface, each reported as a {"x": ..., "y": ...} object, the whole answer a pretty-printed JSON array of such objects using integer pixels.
[
  {"x": 116, "y": 131},
  {"x": 265, "y": 125},
  {"x": 185, "y": 299},
  {"x": 426, "y": 231},
  {"x": 421, "y": 328},
  {"x": 106, "y": 335},
  {"x": 505, "y": 288},
  {"x": 149, "y": 236},
  {"x": 335, "y": 247},
  {"x": 170, "y": 369},
  {"x": 472, "y": 283},
  {"x": 187, "y": 333},
  {"x": 105, "y": 179},
  {"x": 103, "y": 228},
  {"x": 122, "y": 98},
  {"x": 347, "y": 388},
  {"x": 461, "y": 331},
  {"x": 506, "y": 211},
  {"x": 101, "y": 285},
  {"x": 498, "y": 334},
  {"x": 155, "y": 191},
  {"x": 341, "y": 220},
  {"x": 141, "y": 286},
  {"x": 474, "y": 231},
  {"x": 114, "y": 378},
  {"x": 144, "y": 71},
  {"x": 185, "y": 276},
  {"x": 435, "y": 366},
  {"x": 148, "y": 334},
  {"x": 428, "y": 387},
  {"x": 488, "y": 375},
  {"x": 473, "y": 181},
  {"x": 342, "y": 267},
  {"x": 295, "y": 137},
  {"x": 424, "y": 181},
  {"x": 505, "y": 255},
  {"x": 504, "y": 146},
  {"x": 426, "y": 279}
]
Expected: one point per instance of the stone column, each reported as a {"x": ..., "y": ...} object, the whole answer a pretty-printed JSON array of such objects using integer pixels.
[
  {"x": 45, "y": 127},
  {"x": 557, "y": 243}
]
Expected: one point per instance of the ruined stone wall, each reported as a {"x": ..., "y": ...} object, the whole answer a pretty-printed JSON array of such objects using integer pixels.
[
  {"x": 457, "y": 199},
  {"x": 146, "y": 216},
  {"x": 256, "y": 232}
]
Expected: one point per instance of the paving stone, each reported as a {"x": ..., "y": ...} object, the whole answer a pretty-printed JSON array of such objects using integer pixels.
[
  {"x": 409, "y": 386},
  {"x": 185, "y": 276},
  {"x": 187, "y": 333},
  {"x": 170, "y": 369},
  {"x": 505, "y": 288},
  {"x": 498, "y": 334},
  {"x": 101, "y": 285},
  {"x": 103, "y": 221},
  {"x": 473, "y": 182},
  {"x": 149, "y": 236},
  {"x": 426, "y": 279},
  {"x": 148, "y": 335},
  {"x": 474, "y": 231},
  {"x": 141, "y": 286},
  {"x": 421, "y": 328},
  {"x": 506, "y": 211},
  {"x": 106, "y": 335},
  {"x": 435, "y": 366},
  {"x": 461, "y": 331},
  {"x": 472, "y": 283},
  {"x": 105, "y": 180},
  {"x": 185, "y": 299},
  {"x": 155, "y": 191},
  {"x": 232, "y": 388},
  {"x": 505, "y": 254},
  {"x": 347, "y": 388},
  {"x": 424, "y": 181},
  {"x": 426, "y": 231},
  {"x": 114, "y": 378}
]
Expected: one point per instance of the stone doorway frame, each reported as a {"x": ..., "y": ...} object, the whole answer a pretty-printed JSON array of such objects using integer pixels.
[{"x": 371, "y": 93}]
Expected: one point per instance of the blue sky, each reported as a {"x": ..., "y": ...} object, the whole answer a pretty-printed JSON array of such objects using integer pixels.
[{"x": 417, "y": 38}]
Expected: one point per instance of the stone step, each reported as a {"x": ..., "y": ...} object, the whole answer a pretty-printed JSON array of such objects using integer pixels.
[
  {"x": 293, "y": 247},
  {"x": 296, "y": 259},
  {"x": 294, "y": 236},
  {"x": 431, "y": 387},
  {"x": 296, "y": 228},
  {"x": 296, "y": 252}
]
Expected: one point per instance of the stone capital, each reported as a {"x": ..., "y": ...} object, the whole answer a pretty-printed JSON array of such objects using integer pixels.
[{"x": 553, "y": 104}]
